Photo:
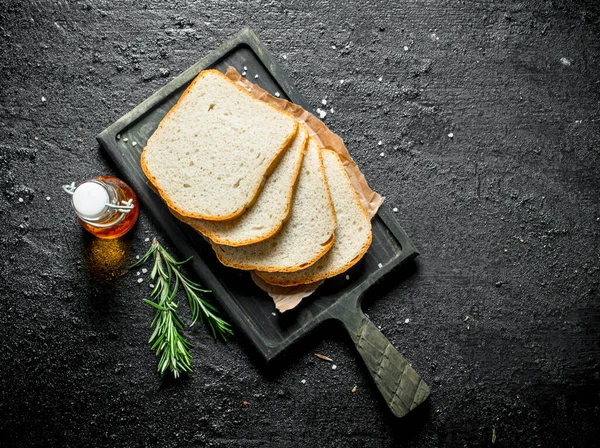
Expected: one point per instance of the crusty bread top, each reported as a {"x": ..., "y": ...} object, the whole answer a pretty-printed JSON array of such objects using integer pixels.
[
  {"x": 305, "y": 237},
  {"x": 271, "y": 209},
  {"x": 214, "y": 149},
  {"x": 352, "y": 235}
]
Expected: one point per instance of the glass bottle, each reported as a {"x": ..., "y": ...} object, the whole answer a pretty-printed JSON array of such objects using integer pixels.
[{"x": 106, "y": 206}]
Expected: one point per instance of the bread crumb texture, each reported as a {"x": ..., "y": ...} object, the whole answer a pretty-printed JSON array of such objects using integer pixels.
[
  {"x": 212, "y": 152},
  {"x": 271, "y": 209},
  {"x": 353, "y": 233},
  {"x": 305, "y": 237}
]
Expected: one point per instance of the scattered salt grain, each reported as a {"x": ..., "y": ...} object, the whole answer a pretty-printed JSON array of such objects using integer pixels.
[
  {"x": 144, "y": 270},
  {"x": 151, "y": 285},
  {"x": 395, "y": 209},
  {"x": 256, "y": 76},
  {"x": 303, "y": 381},
  {"x": 243, "y": 73},
  {"x": 405, "y": 48},
  {"x": 20, "y": 199},
  {"x": 147, "y": 239},
  {"x": 407, "y": 320},
  {"x": 333, "y": 46},
  {"x": 140, "y": 280},
  {"x": 347, "y": 277},
  {"x": 137, "y": 257},
  {"x": 47, "y": 198},
  {"x": 137, "y": 273},
  {"x": 284, "y": 56},
  {"x": 382, "y": 154},
  {"x": 563, "y": 61},
  {"x": 451, "y": 135},
  {"x": 125, "y": 139},
  {"x": 380, "y": 143},
  {"x": 274, "y": 314},
  {"x": 321, "y": 113},
  {"x": 249, "y": 89},
  {"x": 331, "y": 110},
  {"x": 380, "y": 265},
  {"x": 118, "y": 136},
  {"x": 43, "y": 99},
  {"x": 341, "y": 81},
  {"x": 277, "y": 94},
  {"x": 333, "y": 367},
  {"x": 245, "y": 68},
  {"x": 380, "y": 79},
  {"x": 133, "y": 143}
]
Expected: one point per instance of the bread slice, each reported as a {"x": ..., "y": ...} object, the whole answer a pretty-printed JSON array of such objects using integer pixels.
[
  {"x": 271, "y": 209},
  {"x": 214, "y": 149},
  {"x": 352, "y": 234},
  {"x": 305, "y": 237}
]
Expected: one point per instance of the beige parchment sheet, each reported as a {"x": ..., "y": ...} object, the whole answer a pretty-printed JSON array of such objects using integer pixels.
[{"x": 286, "y": 298}]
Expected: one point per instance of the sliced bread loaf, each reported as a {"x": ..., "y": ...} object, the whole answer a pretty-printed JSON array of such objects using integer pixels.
[
  {"x": 271, "y": 209},
  {"x": 304, "y": 238},
  {"x": 352, "y": 234},
  {"x": 214, "y": 149}
]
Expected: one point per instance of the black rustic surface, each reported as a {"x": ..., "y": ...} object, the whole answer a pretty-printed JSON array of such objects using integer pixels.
[{"x": 488, "y": 115}]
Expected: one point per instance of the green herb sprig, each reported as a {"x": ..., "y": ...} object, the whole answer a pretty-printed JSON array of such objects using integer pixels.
[{"x": 167, "y": 339}]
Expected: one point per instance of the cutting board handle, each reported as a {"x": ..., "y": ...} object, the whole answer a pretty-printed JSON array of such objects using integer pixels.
[{"x": 401, "y": 386}]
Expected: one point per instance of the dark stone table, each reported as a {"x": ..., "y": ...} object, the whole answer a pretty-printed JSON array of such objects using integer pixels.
[{"x": 488, "y": 114}]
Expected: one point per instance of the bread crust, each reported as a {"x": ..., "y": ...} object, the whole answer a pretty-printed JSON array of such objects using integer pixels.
[
  {"x": 271, "y": 166},
  {"x": 216, "y": 238},
  {"x": 263, "y": 274},
  {"x": 326, "y": 246},
  {"x": 248, "y": 267}
]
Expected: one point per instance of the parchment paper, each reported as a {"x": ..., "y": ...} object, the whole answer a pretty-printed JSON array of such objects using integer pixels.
[{"x": 286, "y": 298}]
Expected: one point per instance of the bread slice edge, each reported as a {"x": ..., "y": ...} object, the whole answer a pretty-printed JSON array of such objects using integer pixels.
[
  {"x": 326, "y": 246},
  {"x": 341, "y": 269},
  {"x": 215, "y": 238}
]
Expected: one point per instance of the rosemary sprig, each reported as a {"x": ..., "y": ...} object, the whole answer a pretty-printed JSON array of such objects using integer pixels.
[
  {"x": 167, "y": 340},
  {"x": 201, "y": 309}
]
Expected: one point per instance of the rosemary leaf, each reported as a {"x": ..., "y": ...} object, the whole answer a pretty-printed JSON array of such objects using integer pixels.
[{"x": 167, "y": 339}]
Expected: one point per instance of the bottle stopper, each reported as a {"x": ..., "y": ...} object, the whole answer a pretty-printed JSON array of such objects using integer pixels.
[{"x": 90, "y": 201}]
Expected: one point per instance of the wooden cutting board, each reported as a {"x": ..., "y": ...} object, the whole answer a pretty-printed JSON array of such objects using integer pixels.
[{"x": 250, "y": 309}]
